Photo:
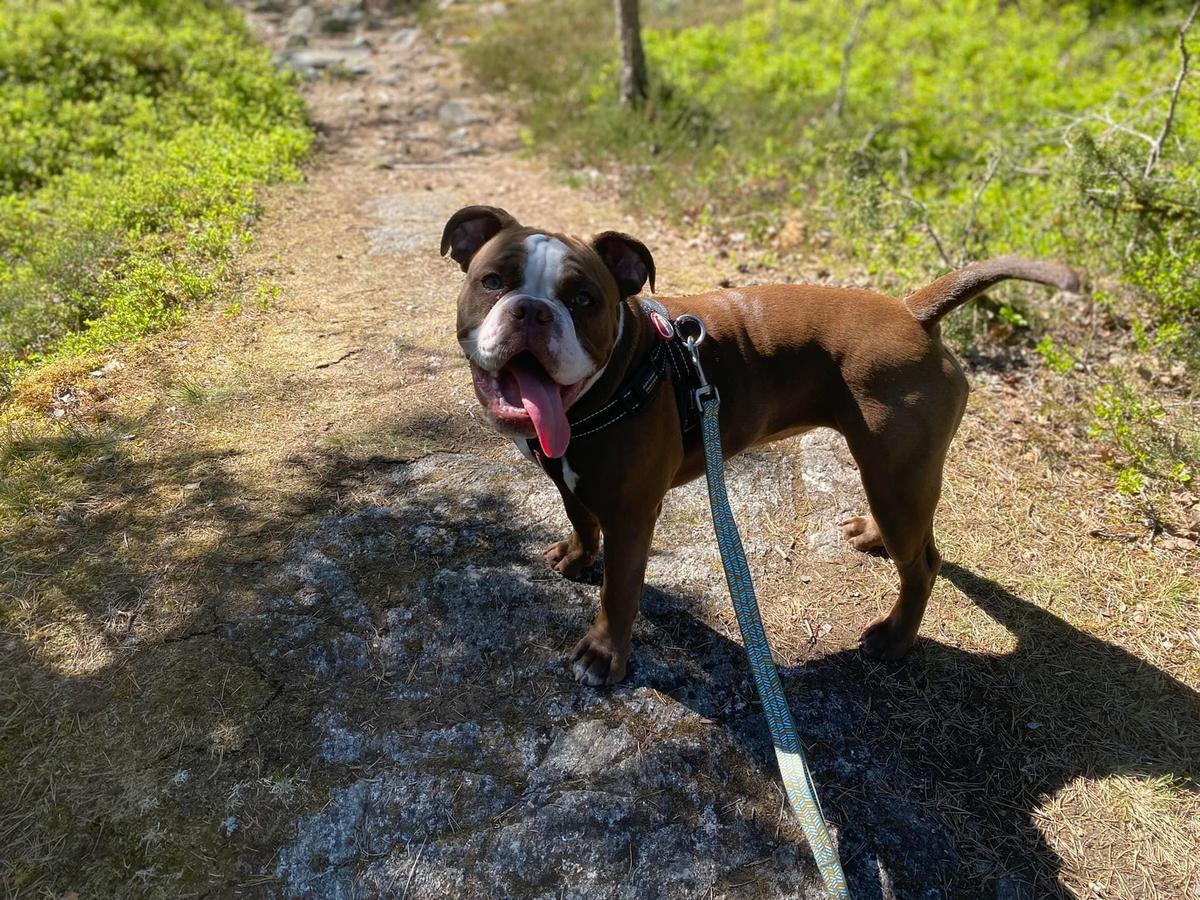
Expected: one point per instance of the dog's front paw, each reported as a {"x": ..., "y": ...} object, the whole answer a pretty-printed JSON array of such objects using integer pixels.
[
  {"x": 598, "y": 659},
  {"x": 568, "y": 558},
  {"x": 887, "y": 638}
]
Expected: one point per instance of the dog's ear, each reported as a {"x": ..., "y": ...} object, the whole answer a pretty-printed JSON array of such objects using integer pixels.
[
  {"x": 470, "y": 228},
  {"x": 628, "y": 259}
]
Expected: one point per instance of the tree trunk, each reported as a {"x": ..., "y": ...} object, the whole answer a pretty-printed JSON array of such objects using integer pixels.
[{"x": 633, "y": 59}]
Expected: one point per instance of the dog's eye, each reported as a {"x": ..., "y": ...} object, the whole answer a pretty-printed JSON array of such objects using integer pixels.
[
  {"x": 492, "y": 281},
  {"x": 582, "y": 298}
]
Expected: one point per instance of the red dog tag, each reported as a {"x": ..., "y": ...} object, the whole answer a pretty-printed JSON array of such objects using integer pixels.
[{"x": 664, "y": 328}]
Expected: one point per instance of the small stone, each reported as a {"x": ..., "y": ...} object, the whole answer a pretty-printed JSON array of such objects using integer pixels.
[
  {"x": 343, "y": 18},
  {"x": 301, "y": 22},
  {"x": 108, "y": 368},
  {"x": 310, "y": 62},
  {"x": 405, "y": 38},
  {"x": 459, "y": 112}
]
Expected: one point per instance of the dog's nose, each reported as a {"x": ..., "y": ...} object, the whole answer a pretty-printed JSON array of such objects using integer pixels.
[{"x": 529, "y": 308}]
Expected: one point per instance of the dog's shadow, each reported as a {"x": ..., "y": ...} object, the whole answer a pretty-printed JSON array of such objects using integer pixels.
[{"x": 935, "y": 769}]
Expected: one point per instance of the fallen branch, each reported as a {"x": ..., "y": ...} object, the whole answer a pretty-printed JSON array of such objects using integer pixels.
[
  {"x": 1157, "y": 146},
  {"x": 927, "y": 221},
  {"x": 993, "y": 167},
  {"x": 839, "y": 103},
  {"x": 333, "y": 362}
]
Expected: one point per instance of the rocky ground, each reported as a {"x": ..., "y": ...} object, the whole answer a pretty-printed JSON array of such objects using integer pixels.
[
  {"x": 370, "y": 652},
  {"x": 487, "y": 769}
]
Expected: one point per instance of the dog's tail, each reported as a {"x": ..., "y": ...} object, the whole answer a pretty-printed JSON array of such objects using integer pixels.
[{"x": 934, "y": 300}]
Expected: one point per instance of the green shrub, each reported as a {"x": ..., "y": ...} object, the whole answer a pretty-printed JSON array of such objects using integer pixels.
[
  {"x": 1056, "y": 358},
  {"x": 967, "y": 128},
  {"x": 135, "y": 134},
  {"x": 986, "y": 123},
  {"x": 1134, "y": 424}
]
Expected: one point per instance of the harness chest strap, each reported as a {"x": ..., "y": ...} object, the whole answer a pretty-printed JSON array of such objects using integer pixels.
[{"x": 668, "y": 361}]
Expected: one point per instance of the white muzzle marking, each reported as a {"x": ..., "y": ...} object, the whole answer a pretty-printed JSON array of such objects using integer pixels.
[{"x": 565, "y": 359}]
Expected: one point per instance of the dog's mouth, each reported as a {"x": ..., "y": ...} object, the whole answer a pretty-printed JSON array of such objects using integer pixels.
[{"x": 522, "y": 397}]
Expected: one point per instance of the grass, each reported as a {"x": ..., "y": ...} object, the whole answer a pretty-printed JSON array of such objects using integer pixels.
[
  {"x": 907, "y": 138},
  {"x": 136, "y": 135}
]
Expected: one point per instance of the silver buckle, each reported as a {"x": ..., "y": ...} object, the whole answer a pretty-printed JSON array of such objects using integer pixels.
[{"x": 706, "y": 390}]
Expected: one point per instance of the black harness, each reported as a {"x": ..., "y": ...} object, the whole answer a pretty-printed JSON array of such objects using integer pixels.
[{"x": 668, "y": 361}]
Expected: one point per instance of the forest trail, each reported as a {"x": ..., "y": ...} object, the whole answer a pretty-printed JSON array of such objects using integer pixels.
[{"x": 334, "y": 664}]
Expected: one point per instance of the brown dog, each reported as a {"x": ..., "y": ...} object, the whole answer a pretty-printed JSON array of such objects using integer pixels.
[{"x": 550, "y": 324}]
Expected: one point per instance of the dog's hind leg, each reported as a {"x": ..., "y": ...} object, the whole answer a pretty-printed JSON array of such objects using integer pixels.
[
  {"x": 903, "y": 503},
  {"x": 901, "y": 470},
  {"x": 891, "y": 636},
  {"x": 861, "y": 533}
]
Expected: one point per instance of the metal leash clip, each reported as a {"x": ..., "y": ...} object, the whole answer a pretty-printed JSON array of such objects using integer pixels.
[{"x": 706, "y": 391}]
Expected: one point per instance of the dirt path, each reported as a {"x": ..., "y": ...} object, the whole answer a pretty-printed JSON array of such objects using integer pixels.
[{"x": 316, "y": 654}]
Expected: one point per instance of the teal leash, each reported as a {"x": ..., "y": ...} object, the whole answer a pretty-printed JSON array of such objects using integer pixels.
[{"x": 797, "y": 779}]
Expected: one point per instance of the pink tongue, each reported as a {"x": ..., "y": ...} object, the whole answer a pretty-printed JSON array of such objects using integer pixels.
[{"x": 542, "y": 399}]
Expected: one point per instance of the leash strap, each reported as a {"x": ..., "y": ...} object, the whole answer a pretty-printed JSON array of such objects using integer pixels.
[{"x": 797, "y": 779}]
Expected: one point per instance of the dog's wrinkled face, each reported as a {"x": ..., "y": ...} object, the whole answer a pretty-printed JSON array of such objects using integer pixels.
[{"x": 539, "y": 315}]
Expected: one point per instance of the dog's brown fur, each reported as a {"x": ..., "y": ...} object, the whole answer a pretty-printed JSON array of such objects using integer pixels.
[{"x": 785, "y": 358}]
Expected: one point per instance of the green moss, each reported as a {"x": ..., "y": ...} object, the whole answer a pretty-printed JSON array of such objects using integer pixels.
[{"x": 135, "y": 137}]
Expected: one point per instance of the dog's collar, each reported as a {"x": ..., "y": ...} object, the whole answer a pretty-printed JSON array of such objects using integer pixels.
[{"x": 667, "y": 361}]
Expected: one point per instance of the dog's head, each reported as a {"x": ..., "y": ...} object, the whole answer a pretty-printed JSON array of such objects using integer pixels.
[{"x": 539, "y": 315}]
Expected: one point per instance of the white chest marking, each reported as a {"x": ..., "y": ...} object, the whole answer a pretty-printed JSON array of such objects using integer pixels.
[
  {"x": 570, "y": 476},
  {"x": 544, "y": 257}
]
